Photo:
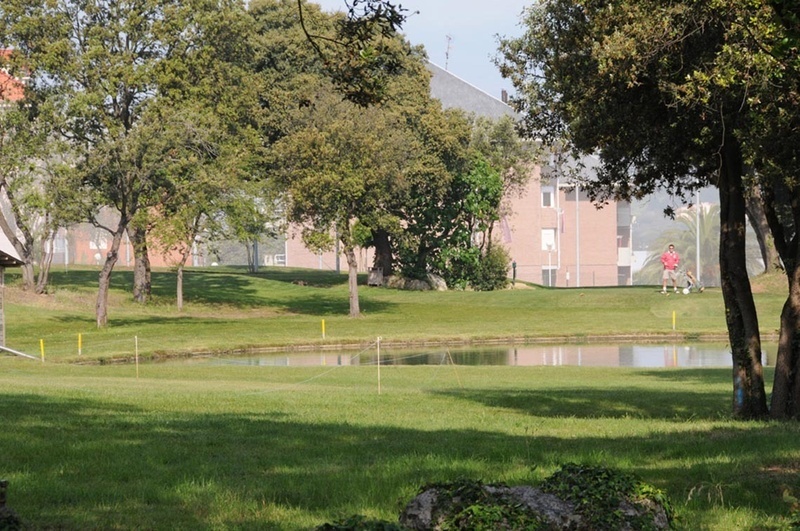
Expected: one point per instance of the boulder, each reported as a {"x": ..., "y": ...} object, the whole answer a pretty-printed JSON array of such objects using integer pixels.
[
  {"x": 513, "y": 508},
  {"x": 436, "y": 282},
  {"x": 577, "y": 497},
  {"x": 410, "y": 284}
]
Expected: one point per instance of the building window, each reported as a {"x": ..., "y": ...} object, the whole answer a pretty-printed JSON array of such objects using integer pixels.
[
  {"x": 549, "y": 276},
  {"x": 547, "y": 196},
  {"x": 548, "y": 239}
]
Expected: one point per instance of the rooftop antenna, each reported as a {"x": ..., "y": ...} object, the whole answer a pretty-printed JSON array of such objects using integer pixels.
[{"x": 447, "y": 51}]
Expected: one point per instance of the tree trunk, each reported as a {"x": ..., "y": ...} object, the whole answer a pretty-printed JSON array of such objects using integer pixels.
[
  {"x": 249, "y": 247},
  {"x": 786, "y": 384},
  {"x": 142, "y": 276},
  {"x": 758, "y": 220},
  {"x": 28, "y": 277},
  {"x": 101, "y": 308},
  {"x": 352, "y": 280},
  {"x": 749, "y": 397},
  {"x": 187, "y": 250},
  {"x": 179, "y": 288},
  {"x": 383, "y": 252},
  {"x": 45, "y": 263}
]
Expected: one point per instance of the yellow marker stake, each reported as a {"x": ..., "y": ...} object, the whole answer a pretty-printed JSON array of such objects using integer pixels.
[
  {"x": 80, "y": 344},
  {"x": 41, "y": 348},
  {"x": 673, "y": 320},
  {"x": 323, "y": 329}
]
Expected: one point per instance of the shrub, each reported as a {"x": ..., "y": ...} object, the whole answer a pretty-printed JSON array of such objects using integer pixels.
[{"x": 492, "y": 270}]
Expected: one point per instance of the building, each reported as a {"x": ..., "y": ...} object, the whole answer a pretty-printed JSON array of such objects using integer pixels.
[
  {"x": 554, "y": 234},
  {"x": 8, "y": 258},
  {"x": 11, "y": 88}
]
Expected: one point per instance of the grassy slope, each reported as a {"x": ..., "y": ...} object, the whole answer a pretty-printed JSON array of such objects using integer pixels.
[{"x": 227, "y": 310}]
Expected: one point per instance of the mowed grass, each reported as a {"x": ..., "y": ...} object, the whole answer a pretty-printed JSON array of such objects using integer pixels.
[{"x": 185, "y": 445}]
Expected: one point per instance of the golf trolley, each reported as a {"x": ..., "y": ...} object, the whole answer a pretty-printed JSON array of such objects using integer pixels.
[{"x": 692, "y": 283}]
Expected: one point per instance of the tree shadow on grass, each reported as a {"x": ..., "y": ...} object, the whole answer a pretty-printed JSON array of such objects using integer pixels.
[
  {"x": 612, "y": 404},
  {"x": 308, "y": 277},
  {"x": 308, "y": 299},
  {"x": 235, "y": 287},
  {"x": 94, "y": 464}
]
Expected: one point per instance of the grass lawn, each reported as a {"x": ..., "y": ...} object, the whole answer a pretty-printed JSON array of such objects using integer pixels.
[{"x": 190, "y": 446}]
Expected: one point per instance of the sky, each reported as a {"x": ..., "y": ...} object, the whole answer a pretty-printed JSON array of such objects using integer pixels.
[{"x": 472, "y": 27}]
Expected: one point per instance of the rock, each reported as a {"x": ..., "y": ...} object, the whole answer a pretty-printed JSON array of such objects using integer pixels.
[
  {"x": 431, "y": 282},
  {"x": 417, "y": 285},
  {"x": 436, "y": 505},
  {"x": 436, "y": 282},
  {"x": 394, "y": 282}
]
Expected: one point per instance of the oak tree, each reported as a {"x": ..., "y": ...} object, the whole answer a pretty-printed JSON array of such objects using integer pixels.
[{"x": 649, "y": 87}]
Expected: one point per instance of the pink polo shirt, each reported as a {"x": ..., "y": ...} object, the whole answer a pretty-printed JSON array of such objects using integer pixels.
[{"x": 670, "y": 260}]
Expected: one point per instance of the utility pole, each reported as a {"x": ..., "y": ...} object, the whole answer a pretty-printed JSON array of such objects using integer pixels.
[{"x": 447, "y": 51}]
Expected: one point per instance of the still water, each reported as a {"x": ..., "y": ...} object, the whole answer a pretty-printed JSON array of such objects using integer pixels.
[{"x": 626, "y": 355}]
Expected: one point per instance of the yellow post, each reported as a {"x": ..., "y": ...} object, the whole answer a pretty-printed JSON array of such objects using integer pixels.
[
  {"x": 323, "y": 329},
  {"x": 673, "y": 319},
  {"x": 41, "y": 348},
  {"x": 80, "y": 344}
]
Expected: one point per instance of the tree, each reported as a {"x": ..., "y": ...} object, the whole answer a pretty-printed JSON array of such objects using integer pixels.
[
  {"x": 336, "y": 167},
  {"x": 757, "y": 216},
  {"x": 250, "y": 213},
  {"x": 425, "y": 191},
  {"x": 196, "y": 167},
  {"x": 360, "y": 56},
  {"x": 474, "y": 209},
  {"x": 32, "y": 172},
  {"x": 430, "y": 203},
  {"x": 641, "y": 83},
  {"x": 775, "y": 157},
  {"x": 101, "y": 64},
  {"x": 211, "y": 92}
]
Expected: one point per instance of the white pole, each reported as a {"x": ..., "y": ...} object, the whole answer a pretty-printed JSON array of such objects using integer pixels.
[
  {"x": 559, "y": 227},
  {"x": 379, "y": 365},
  {"x": 66, "y": 250},
  {"x": 630, "y": 244},
  {"x": 697, "y": 230},
  {"x": 577, "y": 236}
]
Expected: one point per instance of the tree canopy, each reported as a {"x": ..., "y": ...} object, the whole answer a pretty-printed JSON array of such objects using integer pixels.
[{"x": 673, "y": 95}]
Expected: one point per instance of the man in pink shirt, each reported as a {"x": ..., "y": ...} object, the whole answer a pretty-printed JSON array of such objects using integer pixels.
[{"x": 670, "y": 260}]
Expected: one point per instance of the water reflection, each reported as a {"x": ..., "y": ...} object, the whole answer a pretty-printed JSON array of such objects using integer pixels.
[{"x": 627, "y": 355}]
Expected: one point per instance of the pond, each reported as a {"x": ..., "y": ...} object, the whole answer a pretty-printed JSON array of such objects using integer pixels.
[{"x": 589, "y": 355}]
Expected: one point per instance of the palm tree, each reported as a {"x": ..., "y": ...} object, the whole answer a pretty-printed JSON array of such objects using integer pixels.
[{"x": 684, "y": 237}]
